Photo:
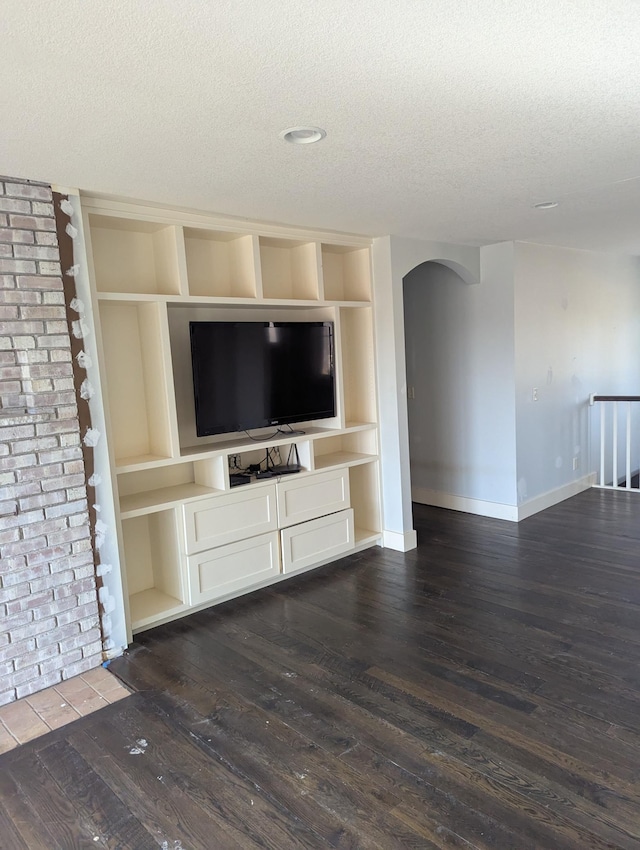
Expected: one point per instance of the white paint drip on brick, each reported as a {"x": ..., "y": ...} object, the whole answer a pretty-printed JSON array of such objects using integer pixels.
[
  {"x": 72, "y": 271},
  {"x": 84, "y": 360},
  {"x": 103, "y": 569},
  {"x": 67, "y": 207},
  {"x": 92, "y": 436},
  {"x": 80, "y": 329},
  {"x": 101, "y": 533},
  {"x": 95, "y": 479},
  {"x": 78, "y": 305},
  {"x": 106, "y": 600},
  {"x": 71, "y": 231},
  {"x": 86, "y": 389}
]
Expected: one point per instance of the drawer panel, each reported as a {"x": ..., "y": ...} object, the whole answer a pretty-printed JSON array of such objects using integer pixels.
[
  {"x": 225, "y": 519},
  {"x": 311, "y": 496},
  {"x": 230, "y": 568},
  {"x": 317, "y": 540}
]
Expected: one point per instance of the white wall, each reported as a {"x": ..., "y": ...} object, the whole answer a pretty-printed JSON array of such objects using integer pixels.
[
  {"x": 460, "y": 360},
  {"x": 577, "y": 331}
]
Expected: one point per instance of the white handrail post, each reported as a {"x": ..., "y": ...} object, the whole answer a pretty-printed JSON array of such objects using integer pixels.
[
  {"x": 603, "y": 426},
  {"x": 628, "y": 469},
  {"x": 615, "y": 444}
]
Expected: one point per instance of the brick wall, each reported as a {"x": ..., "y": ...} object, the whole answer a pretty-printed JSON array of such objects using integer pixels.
[{"x": 49, "y": 627}]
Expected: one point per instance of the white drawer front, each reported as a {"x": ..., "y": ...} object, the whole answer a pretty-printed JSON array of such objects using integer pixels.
[
  {"x": 311, "y": 496},
  {"x": 317, "y": 540},
  {"x": 225, "y": 519},
  {"x": 234, "y": 567}
]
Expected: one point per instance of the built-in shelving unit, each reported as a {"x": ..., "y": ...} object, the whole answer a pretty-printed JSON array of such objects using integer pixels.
[{"x": 188, "y": 537}]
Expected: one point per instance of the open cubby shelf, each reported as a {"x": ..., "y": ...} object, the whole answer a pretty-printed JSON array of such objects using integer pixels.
[
  {"x": 147, "y": 607},
  {"x": 220, "y": 264},
  {"x": 346, "y": 273},
  {"x": 151, "y": 550},
  {"x": 151, "y": 500},
  {"x": 341, "y": 459},
  {"x": 135, "y": 256},
  {"x": 152, "y": 271},
  {"x": 289, "y": 269}
]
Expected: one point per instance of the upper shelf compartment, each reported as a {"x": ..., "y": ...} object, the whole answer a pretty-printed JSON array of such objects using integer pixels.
[
  {"x": 346, "y": 273},
  {"x": 140, "y": 257},
  {"x": 139, "y": 382},
  {"x": 290, "y": 269},
  {"x": 221, "y": 264}
]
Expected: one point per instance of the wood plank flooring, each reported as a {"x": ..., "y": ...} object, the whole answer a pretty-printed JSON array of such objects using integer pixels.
[{"x": 482, "y": 691}]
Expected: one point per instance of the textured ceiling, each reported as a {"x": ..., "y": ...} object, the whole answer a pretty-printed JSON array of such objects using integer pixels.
[{"x": 445, "y": 120}]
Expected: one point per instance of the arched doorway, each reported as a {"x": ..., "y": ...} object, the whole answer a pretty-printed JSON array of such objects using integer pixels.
[
  {"x": 459, "y": 357},
  {"x": 439, "y": 341}
]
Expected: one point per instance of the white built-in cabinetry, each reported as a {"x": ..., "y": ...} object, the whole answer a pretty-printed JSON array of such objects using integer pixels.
[{"x": 187, "y": 539}]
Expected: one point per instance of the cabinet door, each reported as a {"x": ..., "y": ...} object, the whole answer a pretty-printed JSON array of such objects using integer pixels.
[
  {"x": 233, "y": 516},
  {"x": 317, "y": 540},
  {"x": 231, "y": 568},
  {"x": 311, "y": 496}
]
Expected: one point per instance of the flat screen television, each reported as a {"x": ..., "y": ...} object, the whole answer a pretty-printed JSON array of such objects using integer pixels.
[{"x": 258, "y": 374}]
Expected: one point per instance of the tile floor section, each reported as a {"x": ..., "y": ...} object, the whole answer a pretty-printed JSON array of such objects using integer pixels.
[{"x": 30, "y": 717}]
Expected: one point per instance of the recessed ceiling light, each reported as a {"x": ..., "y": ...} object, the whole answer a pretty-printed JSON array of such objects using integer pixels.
[
  {"x": 545, "y": 205},
  {"x": 303, "y": 135}
]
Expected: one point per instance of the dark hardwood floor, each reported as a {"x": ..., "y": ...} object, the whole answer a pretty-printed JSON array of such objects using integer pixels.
[{"x": 482, "y": 691}]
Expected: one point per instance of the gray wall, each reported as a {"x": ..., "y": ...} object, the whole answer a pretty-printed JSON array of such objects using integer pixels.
[
  {"x": 564, "y": 322},
  {"x": 460, "y": 360},
  {"x": 577, "y": 331}
]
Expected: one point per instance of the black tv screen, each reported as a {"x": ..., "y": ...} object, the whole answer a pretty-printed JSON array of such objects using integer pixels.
[{"x": 256, "y": 374}]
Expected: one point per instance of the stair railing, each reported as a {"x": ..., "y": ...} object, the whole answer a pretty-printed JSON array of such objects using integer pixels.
[{"x": 619, "y": 426}]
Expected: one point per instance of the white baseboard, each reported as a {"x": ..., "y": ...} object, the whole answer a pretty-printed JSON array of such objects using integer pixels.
[
  {"x": 400, "y": 541},
  {"x": 464, "y": 504},
  {"x": 497, "y": 510},
  {"x": 552, "y": 497}
]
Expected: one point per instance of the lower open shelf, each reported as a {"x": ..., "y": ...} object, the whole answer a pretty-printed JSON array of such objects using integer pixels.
[
  {"x": 342, "y": 459},
  {"x": 365, "y": 537},
  {"x": 153, "y": 561},
  {"x": 141, "y": 503},
  {"x": 148, "y": 606}
]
